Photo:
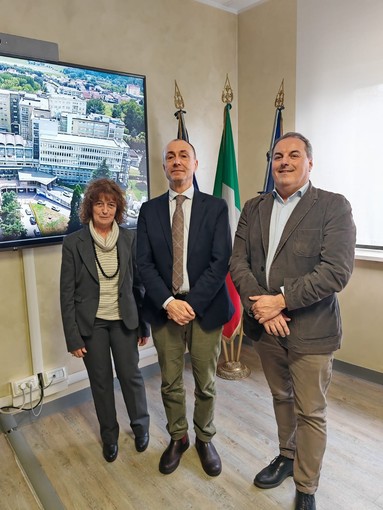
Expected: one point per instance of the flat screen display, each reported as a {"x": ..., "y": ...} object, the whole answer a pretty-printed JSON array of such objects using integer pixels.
[{"x": 62, "y": 125}]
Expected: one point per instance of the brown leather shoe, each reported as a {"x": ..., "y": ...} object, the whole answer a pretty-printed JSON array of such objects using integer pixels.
[
  {"x": 209, "y": 457},
  {"x": 305, "y": 501},
  {"x": 172, "y": 455},
  {"x": 273, "y": 475}
]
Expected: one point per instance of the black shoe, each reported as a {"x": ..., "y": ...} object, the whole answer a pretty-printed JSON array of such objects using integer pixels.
[
  {"x": 141, "y": 443},
  {"x": 209, "y": 457},
  {"x": 274, "y": 474},
  {"x": 305, "y": 501},
  {"x": 172, "y": 455},
  {"x": 110, "y": 451}
]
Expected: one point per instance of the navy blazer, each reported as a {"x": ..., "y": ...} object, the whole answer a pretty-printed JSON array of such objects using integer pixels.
[
  {"x": 80, "y": 288},
  {"x": 208, "y": 253}
]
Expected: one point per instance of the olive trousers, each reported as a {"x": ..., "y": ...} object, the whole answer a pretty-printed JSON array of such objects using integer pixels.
[{"x": 170, "y": 341}]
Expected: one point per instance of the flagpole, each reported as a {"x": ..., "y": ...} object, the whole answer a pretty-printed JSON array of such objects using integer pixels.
[{"x": 226, "y": 177}]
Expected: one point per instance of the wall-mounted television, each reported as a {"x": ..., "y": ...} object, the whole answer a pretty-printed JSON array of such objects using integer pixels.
[{"x": 62, "y": 125}]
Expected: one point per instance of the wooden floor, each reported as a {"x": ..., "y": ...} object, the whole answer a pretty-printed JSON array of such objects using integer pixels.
[{"x": 66, "y": 444}]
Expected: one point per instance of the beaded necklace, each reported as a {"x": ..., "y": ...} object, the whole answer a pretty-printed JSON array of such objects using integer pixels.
[{"x": 99, "y": 264}]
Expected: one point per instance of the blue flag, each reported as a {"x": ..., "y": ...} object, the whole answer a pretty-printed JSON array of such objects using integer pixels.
[{"x": 277, "y": 132}]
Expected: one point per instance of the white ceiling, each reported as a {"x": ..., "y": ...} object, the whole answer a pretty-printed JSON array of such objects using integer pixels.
[{"x": 234, "y": 6}]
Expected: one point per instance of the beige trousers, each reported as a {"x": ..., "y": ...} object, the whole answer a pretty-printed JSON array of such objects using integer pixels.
[{"x": 299, "y": 384}]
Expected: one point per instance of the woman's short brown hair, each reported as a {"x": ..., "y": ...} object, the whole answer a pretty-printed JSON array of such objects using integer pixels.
[{"x": 92, "y": 194}]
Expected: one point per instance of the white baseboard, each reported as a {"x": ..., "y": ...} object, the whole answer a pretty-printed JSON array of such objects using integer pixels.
[{"x": 75, "y": 382}]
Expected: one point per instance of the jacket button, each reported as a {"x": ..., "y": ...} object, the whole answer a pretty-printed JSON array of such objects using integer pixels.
[{"x": 262, "y": 268}]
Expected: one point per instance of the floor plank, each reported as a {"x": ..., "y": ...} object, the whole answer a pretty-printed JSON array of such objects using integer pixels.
[{"x": 15, "y": 493}]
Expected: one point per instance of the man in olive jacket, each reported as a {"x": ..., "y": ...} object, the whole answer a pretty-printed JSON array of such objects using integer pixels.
[{"x": 293, "y": 251}]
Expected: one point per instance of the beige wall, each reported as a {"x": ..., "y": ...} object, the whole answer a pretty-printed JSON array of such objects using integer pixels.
[
  {"x": 266, "y": 56},
  {"x": 165, "y": 40},
  {"x": 361, "y": 305}
]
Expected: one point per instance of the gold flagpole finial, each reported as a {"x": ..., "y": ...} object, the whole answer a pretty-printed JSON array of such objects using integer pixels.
[
  {"x": 178, "y": 99},
  {"x": 227, "y": 93},
  {"x": 279, "y": 100}
]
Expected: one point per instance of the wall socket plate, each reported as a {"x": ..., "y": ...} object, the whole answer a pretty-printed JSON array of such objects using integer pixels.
[
  {"x": 54, "y": 376},
  {"x": 28, "y": 383}
]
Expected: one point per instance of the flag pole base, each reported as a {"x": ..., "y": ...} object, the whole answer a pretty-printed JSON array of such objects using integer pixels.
[{"x": 232, "y": 370}]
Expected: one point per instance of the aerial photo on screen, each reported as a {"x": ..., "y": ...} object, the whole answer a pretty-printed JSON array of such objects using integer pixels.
[{"x": 62, "y": 125}]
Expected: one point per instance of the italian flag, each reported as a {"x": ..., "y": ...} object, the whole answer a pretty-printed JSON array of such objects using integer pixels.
[{"x": 226, "y": 186}]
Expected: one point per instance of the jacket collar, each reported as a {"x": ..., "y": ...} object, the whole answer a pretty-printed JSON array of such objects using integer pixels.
[
  {"x": 86, "y": 251},
  {"x": 303, "y": 207}
]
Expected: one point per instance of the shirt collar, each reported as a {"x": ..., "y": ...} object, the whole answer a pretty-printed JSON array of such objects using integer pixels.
[
  {"x": 188, "y": 193},
  {"x": 299, "y": 193}
]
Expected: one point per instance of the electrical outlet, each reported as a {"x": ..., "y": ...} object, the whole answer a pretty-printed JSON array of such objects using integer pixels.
[
  {"x": 24, "y": 384},
  {"x": 55, "y": 376}
]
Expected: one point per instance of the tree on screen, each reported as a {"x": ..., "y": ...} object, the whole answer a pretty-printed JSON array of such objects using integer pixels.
[
  {"x": 132, "y": 115},
  {"x": 74, "y": 222},
  {"x": 10, "y": 222},
  {"x": 102, "y": 171},
  {"x": 95, "y": 106}
]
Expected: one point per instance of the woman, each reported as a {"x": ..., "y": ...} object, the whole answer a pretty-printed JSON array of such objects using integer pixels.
[{"x": 100, "y": 297}]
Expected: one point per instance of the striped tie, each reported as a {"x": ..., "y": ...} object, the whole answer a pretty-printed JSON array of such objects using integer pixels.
[{"x": 178, "y": 244}]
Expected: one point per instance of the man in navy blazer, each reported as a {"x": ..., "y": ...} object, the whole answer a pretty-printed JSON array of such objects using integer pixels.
[
  {"x": 195, "y": 313},
  {"x": 293, "y": 252}
]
